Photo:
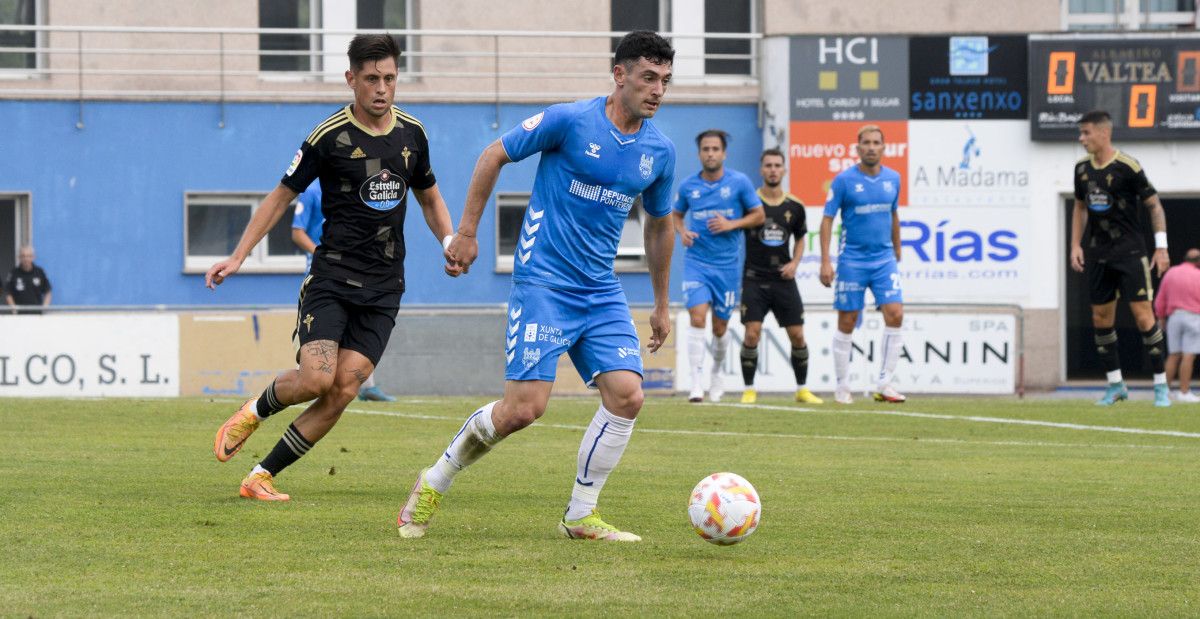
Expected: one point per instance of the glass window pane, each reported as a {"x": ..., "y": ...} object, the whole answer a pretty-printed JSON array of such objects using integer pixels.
[
  {"x": 8, "y": 235},
  {"x": 14, "y": 12},
  {"x": 214, "y": 229},
  {"x": 509, "y": 228},
  {"x": 386, "y": 15},
  {"x": 631, "y": 234},
  {"x": 279, "y": 239},
  {"x": 727, "y": 16},
  {"x": 1169, "y": 6},
  {"x": 1092, "y": 6},
  {"x": 284, "y": 14},
  {"x": 634, "y": 15}
]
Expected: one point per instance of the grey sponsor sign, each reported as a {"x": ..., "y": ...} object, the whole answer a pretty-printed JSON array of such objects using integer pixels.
[{"x": 849, "y": 78}]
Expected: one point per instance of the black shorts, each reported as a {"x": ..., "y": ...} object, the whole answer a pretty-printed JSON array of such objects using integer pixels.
[
  {"x": 358, "y": 319},
  {"x": 780, "y": 297},
  {"x": 1126, "y": 278}
]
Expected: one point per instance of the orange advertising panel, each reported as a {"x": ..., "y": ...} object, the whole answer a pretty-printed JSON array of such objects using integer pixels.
[
  {"x": 819, "y": 150},
  {"x": 1142, "y": 98}
]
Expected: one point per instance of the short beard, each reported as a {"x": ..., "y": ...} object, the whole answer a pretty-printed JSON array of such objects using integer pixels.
[
  {"x": 713, "y": 170},
  {"x": 772, "y": 185}
]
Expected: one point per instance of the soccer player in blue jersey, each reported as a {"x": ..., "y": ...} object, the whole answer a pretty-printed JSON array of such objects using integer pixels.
[
  {"x": 597, "y": 157},
  {"x": 867, "y": 196},
  {"x": 711, "y": 209},
  {"x": 307, "y": 223}
]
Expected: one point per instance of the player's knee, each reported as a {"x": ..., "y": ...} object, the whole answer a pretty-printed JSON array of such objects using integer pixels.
[
  {"x": 626, "y": 404},
  {"x": 315, "y": 384},
  {"x": 521, "y": 415},
  {"x": 750, "y": 340},
  {"x": 720, "y": 329}
]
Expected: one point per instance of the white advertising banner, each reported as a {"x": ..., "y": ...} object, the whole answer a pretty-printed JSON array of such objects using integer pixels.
[
  {"x": 89, "y": 355},
  {"x": 948, "y": 255},
  {"x": 943, "y": 353},
  {"x": 969, "y": 163}
]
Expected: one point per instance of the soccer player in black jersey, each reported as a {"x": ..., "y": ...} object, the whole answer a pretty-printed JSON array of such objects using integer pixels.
[
  {"x": 367, "y": 156},
  {"x": 769, "y": 277},
  {"x": 1106, "y": 244}
]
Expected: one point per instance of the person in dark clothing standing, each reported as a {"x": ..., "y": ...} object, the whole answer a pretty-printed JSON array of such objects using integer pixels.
[{"x": 27, "y": 284}]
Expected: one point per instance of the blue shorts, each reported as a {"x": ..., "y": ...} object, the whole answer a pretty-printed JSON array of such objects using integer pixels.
[
  {"x": 853, "y": 281},
  {"x": 717, "y": 286},
  {"x": 595, "y": 329}
]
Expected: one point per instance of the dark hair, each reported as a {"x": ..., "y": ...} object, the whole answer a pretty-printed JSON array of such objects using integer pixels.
[
  {"x": 708, "y": 133},
  {"x": 1095, "y": 117},
  {"x": 367, "y": 47},
  {"x": 643, "y": 44},
  {"x": 772, "y": 152}
]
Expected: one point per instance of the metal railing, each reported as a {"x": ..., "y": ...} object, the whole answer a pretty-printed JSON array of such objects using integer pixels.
[{"x": 224, "y": 64}]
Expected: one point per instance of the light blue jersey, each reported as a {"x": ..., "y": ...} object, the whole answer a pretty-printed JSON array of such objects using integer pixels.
[
  {"x": 587, "y": 180},
  {"x": 699, "y": 200},
  {"x": 309, "y": 217},
  {"x": 866, "y": 203}
]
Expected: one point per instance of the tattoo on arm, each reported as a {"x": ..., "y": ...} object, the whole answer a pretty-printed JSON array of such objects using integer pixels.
[{"x": 1158, "y": 218}]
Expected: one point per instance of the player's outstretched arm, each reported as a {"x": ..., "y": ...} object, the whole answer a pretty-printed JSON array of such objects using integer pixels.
[
  {"x": 465, "y": 247},
  {"x": 261, "y": 222},
  {"x": 826, "y": 275},
  {"x": 1078, "y": 221},
  {"x": 1158, "y": 223},
  {"x": 659, "y": 237},
  {"x": 437, "y": 217}
]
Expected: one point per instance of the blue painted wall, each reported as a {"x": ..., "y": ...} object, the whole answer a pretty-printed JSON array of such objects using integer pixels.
[{"x": 108, "y": 198}]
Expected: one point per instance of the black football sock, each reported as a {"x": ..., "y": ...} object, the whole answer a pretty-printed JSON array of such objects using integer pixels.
[
  {"x": 286, "y": 451},
  {"x": 800, "y": 364},
  {"x": 1153, "y": 340},
  {"x": 268, "y": 403},
  {"x": 749, "y": 365},
  {"x": 1106, "y": 347}
]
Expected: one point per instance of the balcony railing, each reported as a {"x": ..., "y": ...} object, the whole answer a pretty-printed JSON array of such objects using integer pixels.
[{"x": 206, "y": 64}]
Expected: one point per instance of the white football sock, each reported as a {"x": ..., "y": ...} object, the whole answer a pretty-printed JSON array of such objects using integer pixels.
[
  {"x": 720, "y": 347},
  {"x": 1114, "y": 376},
  {"x": 842, "y": 345},
  {"x": 1160, "y": 378},
  {"x": 599, "y": 452},
  {"x": 893, "y": 343},
  {"x": 258, "y": 469},
  {"x": 697, "y": 342},
  {"x": 475, "y": 439}
]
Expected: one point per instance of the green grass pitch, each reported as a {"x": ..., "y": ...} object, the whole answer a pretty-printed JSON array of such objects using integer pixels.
[{"x": 117, "y": 507}]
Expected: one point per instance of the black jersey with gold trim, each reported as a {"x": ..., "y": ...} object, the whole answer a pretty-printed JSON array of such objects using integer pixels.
[
  {"x": 365, "y": 177},
  {"x": 769, "y": 246},
  {"x": 1113, "y": 193}
]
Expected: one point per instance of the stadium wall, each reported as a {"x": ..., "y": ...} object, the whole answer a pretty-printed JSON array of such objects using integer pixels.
[{"x": 107, "y": 198}]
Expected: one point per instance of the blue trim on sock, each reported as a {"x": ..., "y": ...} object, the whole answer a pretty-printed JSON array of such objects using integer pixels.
[{"x": 588, "y": 463}]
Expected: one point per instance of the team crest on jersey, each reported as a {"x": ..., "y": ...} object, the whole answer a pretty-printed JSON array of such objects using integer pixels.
[
  {"x": 646, "y": 167},
  {"x": 888, "y": 186},
  {"x": 531, "y": 123},
  {"x": 295, "y": 162},
  {"x": 384, "y": 191},
  {"x": 858, "y": 187},
  {"x": 726, "y": 192}
]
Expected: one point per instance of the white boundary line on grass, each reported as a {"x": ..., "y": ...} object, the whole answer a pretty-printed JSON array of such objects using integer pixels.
[
  {"x": 822, "y": 437},
  {"x": 978, "y": 419}
]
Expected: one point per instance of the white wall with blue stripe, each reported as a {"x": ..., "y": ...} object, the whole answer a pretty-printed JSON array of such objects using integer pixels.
[{"x": 107, "y": 199}]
